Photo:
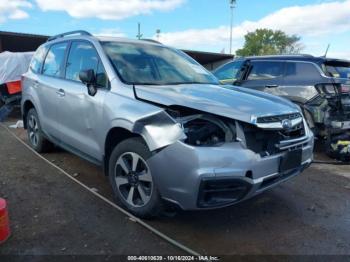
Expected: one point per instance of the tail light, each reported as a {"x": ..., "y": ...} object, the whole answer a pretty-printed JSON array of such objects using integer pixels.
[
  {"x": 14, "y": 87},
  {"x": 345, "y": 88}
]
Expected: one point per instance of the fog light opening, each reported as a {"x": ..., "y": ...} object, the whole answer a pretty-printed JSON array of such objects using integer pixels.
[{"x": 249, "y": 174}]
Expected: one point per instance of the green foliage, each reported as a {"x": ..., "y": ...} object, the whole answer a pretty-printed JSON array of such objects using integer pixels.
[{"x": 269, "y": 42}]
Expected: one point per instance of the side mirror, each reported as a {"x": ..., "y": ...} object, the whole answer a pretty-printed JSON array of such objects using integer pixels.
[{"x": 88, "y": 77}]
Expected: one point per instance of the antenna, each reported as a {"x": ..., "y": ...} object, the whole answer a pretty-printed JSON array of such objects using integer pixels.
[
  {"x": 139, "y": 35},
  {"x": 325, "y": 55}
]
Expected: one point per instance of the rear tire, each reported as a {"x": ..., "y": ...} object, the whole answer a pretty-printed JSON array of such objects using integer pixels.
[
  {"x": 131, "y": 179},
  {"x": 36, "y": 137}
]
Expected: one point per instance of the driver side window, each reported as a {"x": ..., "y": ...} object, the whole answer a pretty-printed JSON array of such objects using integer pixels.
[
  {"x": 228, "y": 71},
  {"x": 83, "y": 56}
]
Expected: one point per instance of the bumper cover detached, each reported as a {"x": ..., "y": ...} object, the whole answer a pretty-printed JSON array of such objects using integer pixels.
[
  {"x": 212, "y": 177},
  {"x": 232, "y": 191},
  {"x": 343, "y": 125}
]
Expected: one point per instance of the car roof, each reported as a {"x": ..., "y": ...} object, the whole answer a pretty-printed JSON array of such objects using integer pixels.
[
  {"x": 105, "y": 39},
  {"x": 127, "y": 40},
  {"x": 303, "y": 57}
]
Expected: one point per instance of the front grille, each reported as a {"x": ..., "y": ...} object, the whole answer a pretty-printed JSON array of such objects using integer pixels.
[
  {"x": 279, "y": 118},
  {"x": 293, "y": 133},
  {"x": 269, "y": 142}
]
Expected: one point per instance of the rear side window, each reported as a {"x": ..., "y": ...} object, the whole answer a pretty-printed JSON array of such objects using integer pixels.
[
  {"x": 54, "y": 60},
  {"x": 337, "y": 69},
  {"x": 264, "y": 70},
  {"x": 37, "y": 60},
  {"x": 301, "y": 70},
  {"x": 229, "y": 71},
  {"x": 83, "y": 56}
]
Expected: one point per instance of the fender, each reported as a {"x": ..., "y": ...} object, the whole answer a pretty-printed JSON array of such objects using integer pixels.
[{"x": 158, "y": 129}]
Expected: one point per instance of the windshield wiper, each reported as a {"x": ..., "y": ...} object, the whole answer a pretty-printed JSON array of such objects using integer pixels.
[
  {"x": 189, "y": 83},
  {"x": 174, "y": 83},
  {"x": 147, "y": 84}
]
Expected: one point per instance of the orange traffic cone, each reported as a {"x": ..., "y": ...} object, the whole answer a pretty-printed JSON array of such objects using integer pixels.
[{"x": 4, "y": 222}]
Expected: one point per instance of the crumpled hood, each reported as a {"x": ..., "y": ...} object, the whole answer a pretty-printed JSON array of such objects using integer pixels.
[{"x": 229, "y": 101}]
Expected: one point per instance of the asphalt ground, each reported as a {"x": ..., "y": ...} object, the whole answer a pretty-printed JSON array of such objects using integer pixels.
[
  {"x": 307, "y": 215},
  {"x": 51, "y": 215}
]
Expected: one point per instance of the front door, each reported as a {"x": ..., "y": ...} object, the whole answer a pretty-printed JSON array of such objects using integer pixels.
[{"x": 78, "y": 112}]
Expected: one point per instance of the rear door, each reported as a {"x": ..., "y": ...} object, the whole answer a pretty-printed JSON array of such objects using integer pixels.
[
  {"x": 47, "y": 85},
  {"x": 79, "y": 113},
  {"x": 299, "y": 81},
  {"x": 264, "y": 75}
]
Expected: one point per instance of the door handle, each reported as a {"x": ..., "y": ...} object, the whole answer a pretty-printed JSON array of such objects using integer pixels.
[
  {"x": 36, "y": 84},
  {"x": 271, "y": 86},
  {"x": 60, "y": 93}
]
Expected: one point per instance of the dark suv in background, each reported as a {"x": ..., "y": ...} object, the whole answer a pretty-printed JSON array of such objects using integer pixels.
[{"x": 321, "y": 86}]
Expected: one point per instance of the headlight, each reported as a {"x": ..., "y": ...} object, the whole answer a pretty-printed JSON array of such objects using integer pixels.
[{"x": 207, "y": 130}]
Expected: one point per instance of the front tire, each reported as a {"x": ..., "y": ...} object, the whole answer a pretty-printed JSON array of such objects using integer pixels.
[
  {"x": 36, "y": 137},
  {"x": 131, "y": 178}
]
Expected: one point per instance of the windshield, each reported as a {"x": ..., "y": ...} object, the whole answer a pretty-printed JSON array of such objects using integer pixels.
[
  {"x": 146, "y": 64},
  {"x": 337, "y": 69}
]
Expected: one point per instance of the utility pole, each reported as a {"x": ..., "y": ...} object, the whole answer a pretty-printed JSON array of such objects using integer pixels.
[
  {"x": 232, "y": 6},
  {"x": 139, "y": 35}
]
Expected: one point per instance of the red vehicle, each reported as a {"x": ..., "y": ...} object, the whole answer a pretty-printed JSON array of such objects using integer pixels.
[{"x": 12, "y": 66}]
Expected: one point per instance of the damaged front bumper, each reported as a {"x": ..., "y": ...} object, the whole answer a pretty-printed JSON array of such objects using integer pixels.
[
  {"x": 211, "y": 177},
  {"x": 342, "y": 125}
]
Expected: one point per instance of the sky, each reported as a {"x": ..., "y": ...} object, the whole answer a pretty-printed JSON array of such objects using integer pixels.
[{"x": 188, "y": 24}]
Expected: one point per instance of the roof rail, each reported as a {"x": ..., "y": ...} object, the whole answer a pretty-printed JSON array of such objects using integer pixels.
[
  {"x": 151, "y": 40},
  {"x": 77, "y": 32},
  {"x": 306, "y": 55}
]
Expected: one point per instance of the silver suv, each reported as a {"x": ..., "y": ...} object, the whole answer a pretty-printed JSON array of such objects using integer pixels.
[{"x": 159, "y": 124}]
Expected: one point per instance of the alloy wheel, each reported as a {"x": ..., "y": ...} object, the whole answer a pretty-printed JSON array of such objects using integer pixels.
[
  {"x": 33, "y": 129},
  {"x": 133, "y": 179}
]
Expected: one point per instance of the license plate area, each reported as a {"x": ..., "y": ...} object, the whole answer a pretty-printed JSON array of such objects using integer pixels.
[{"x": 291, "y": 160}]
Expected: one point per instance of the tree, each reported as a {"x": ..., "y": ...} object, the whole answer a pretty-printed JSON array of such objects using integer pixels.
[{"x": 269, "y": 42}]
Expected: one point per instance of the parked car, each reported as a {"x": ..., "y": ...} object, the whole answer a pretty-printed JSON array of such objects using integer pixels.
[
  {"x": 320, "y": 85},
  {"x": 160, "y": 124}
]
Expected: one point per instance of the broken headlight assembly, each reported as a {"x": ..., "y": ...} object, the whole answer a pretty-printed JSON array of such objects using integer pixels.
[
  {"x": 207, "y": 130},
  {"x": 202, "y": 129}
]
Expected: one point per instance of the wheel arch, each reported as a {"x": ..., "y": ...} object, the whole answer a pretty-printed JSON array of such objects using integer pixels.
[
  {"x": 27, "y": 105},
  {"x": 114, "y": 137}
]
